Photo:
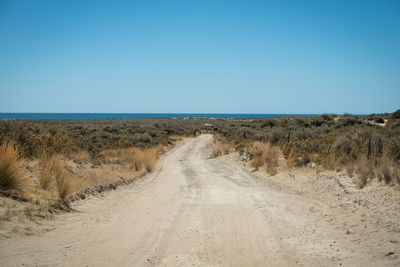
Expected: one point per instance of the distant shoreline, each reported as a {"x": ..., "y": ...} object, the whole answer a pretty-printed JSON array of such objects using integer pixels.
[{"x": 85, "y": 116}]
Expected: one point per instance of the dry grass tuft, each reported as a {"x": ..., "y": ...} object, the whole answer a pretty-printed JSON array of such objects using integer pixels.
[
  {"x": 136, "y": 159},
  {"x": 150, "y": 158},
  {"x": 297, "y": 158},
  {"x": 291, "y": 159},
  {"x": 364, "y": 172},
  {"x": 133, "y": 158},
  {"x": 219, "y": 148},
  {"x": 271, "y": 160},
  {"x": 51, "y": 167},
  {"x": 10, "y": 164},
  {"x": 264, "y": 154},
  {"x": 396, "y": 174},
  {"x": 383, "y": 170},
  {"x": 256, "y": 162},
  {"x": 226, "y": 148},
  {"x": 66, "y": 185},
  {"x": 350, "y": 170},
  {"x": 217, "y": 151},
  {"x": 81, "y": 157}
]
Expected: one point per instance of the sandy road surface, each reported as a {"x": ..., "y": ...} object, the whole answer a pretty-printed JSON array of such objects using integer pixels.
[{"x": 193, "y": 211}]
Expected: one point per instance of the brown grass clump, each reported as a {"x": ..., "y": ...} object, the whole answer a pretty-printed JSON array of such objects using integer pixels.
[
  {"x": 392, "y": 149},
  {"x": 10, "y": 164},
  {"x": 396, "y": 174},
  {"x": 81, "y": 157},
  {"x": 63, "y": 187},
  {"x": 51, "y": 167},
  {"x": 350, "y": 170},
  {"x": 133, "y": 158},
  {"x": 136, "y": 159},
  {"x": 66, "y": 185},
  {"x": 217, "y": 150},
  {"x": 271, "y": 160},
  {"x": 150, "y": 158},
  {"x": 265, "y": 154},
  {"x": 383, "y": 171},
  {"x": 364, "y": 172},
  {"x": 291, "y": 159},
  {"x": 256, "y": 162},
  {"x": 226, "y": 148},
  {"x": 298, "y": 158}
]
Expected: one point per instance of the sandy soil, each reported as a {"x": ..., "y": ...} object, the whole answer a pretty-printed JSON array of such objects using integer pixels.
[{"x": 196, "y": 211}]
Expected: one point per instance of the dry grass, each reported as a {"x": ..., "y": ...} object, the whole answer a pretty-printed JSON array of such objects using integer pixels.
[
  {"x": 264, "y": 154},
  {"x": 226, "y": 148},
  {"x": 126, "y": 157},
  {"x": 297, "y": 158},
  {"x": 396, "y": 174},
  {"x": 81, "y": 157},
  {"x": 53, "y": 170},
  {"x": 350, "y": 170},
  {"x": 220, "y": 149},
  {"x": 63, "y": 187},
  {"x": 271, "y": 158},
  {"x": 383, "y": 170},
  {"x": 217, "y": 151},
  {"x": 10, "y": 178},
  {"x": 365, "y": 172},
  {"x": 256, "y": 162},
  {"x": 291, "y": 160},
  {"x": 51, "y": 167},
  {"x": 150, "y": 159},
  {"x": 66, "y": 185},
  {"x": 136, "y": 159},
  {"x": 133, "y": 158},
  {"x": 53, "y": 178}
]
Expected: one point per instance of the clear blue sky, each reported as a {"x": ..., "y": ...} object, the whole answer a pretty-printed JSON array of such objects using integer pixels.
[{"x": 200, "y": 56}]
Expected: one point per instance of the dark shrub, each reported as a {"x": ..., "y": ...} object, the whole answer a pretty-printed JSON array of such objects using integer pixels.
[
  {"x": 268, "y": 123},
  {"x": 317, "y": 122}
]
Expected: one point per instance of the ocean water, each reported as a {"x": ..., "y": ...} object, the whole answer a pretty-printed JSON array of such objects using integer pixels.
[{"x": 85, "y": 116}]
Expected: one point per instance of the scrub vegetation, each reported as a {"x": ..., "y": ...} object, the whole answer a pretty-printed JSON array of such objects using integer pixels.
[
  {"x": 366, "y": 147},
  {"x": 48, "y": 163}
]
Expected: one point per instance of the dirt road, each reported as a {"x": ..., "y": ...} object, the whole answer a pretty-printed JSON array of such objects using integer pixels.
[{"x": 192, "y": 211}]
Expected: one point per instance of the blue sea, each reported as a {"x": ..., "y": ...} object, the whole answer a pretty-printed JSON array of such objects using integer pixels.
[{"x": 85, "y": 116}]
